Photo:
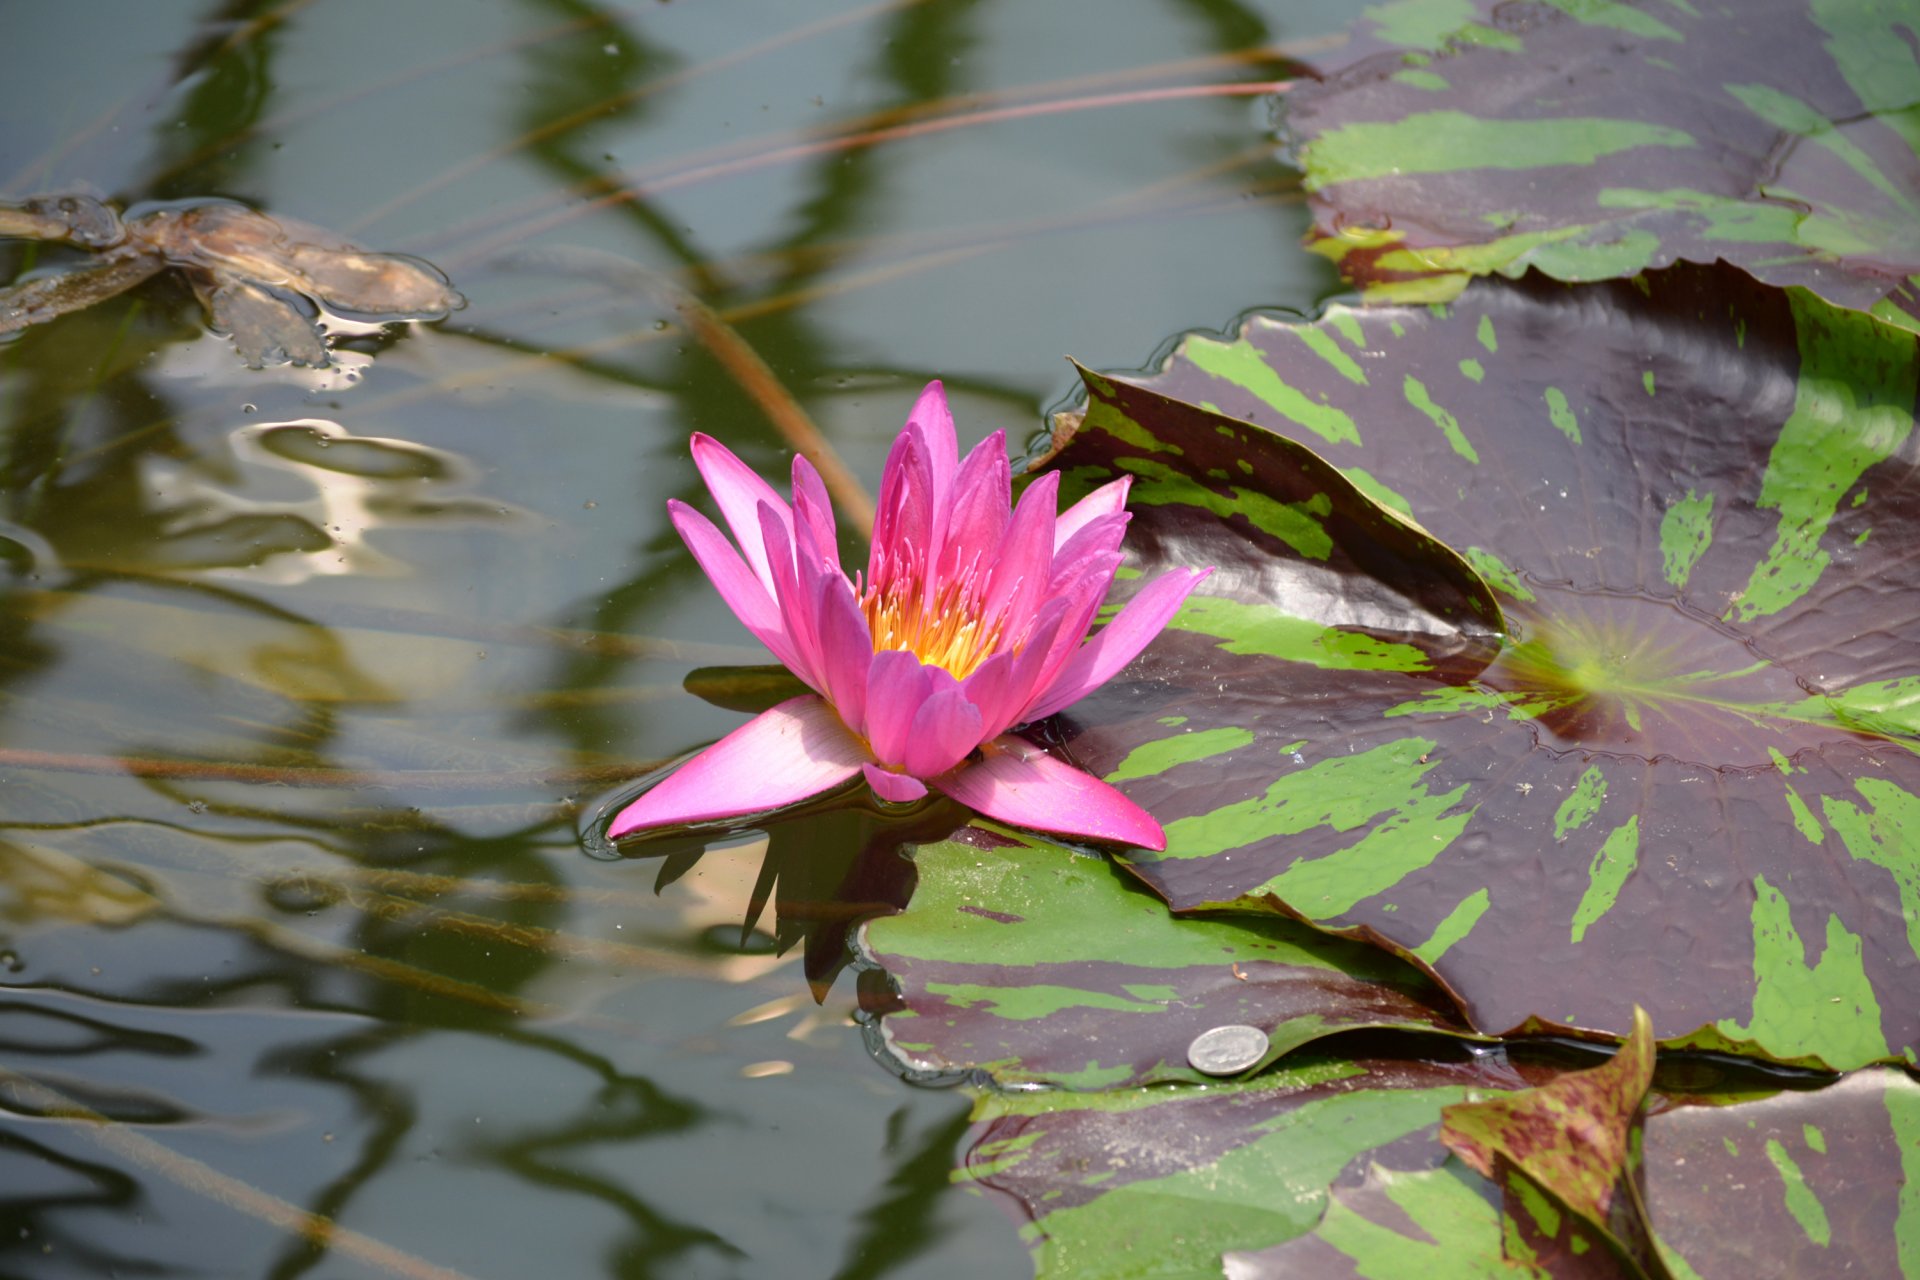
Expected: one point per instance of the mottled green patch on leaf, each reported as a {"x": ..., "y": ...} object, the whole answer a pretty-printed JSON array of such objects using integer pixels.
[
  {"x": 1581, "y": 803},
  {"x": 1560, "y": 414},
  {"x": 1800, "y": 1202},
  {"x": 1853, "y": 407},
  {"x": 1182, "y": 748},
  {"x": 1444, "y": 141},
  {"x": 1826, "y": 1009},
  {"x": 1686, "y": 531},
  {"x": 1238, "y": 363},
  {"x": 1247, "y": 628},
  {"x": 1498, "y": 572},
  {"x": 1611, "y": 867}
]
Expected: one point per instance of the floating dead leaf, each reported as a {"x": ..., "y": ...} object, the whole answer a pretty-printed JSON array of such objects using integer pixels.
[{"x": 262, "y": 280}]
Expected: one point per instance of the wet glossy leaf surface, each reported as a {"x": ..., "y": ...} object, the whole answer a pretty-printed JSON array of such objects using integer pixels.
[
  {"x": 1328, "y": 1168},
  {"x": 1689, "y": 781},
  {"x": 1594, "y": 138},
  {"x": 1033, "y": 965}
]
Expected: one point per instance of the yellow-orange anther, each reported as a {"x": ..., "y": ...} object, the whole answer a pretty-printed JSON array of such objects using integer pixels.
[{"x": 947, "y": 633}]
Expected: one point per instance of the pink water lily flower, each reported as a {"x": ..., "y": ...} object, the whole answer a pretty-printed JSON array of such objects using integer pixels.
[{"x": 972, "y": 619}]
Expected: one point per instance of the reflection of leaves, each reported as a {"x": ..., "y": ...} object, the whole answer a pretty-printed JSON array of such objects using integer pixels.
[
  {"x": 40, "y": 883},
  {"x": 1594, "y": 140},
  {"x": 1693, "y": 495}
]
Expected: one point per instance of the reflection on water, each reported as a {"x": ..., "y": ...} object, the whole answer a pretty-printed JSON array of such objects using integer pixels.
[{"x": 309, "y": 679}]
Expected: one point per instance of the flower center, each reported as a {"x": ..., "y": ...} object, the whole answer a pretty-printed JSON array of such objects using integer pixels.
[{"x": 946, "y": 632}]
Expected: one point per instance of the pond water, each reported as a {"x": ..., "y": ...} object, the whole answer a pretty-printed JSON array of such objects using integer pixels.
[{"x": 314, "y": 677}]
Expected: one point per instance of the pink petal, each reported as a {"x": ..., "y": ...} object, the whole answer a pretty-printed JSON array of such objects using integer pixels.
[
  {"x": 1096, "y": 538},
  {"x": 745, "y": 594},
  {"x": 903, "y": 523},
  {"x": 782, "y": 756},
  {"x": 895, "y": 787},
  {"x": 1025, "y": 674},
  {"x": 813, "y": 510},
  {"x": 935, "y": 422},
  {"x": 846, "y": 652},
  {"x": 1104, "y": 501},
  {"x": 981, "y": 502},
  {"x": 1023, "y": 565},
  {"x": 1020, "y": 784},
  {"x": 896, "y": 686},
  {"x": 796, "y": 603},
  {"x": 1081, "y": 601},
  {"x": 1102, "y": 657},
  {"x": 946, "y": 727},
  {"x": 991, "y": 688},
  {"x": 739, "y": 493}
]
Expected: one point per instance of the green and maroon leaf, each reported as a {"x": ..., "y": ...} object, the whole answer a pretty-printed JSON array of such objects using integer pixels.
[
  {"x": 1571, "y": 1137},
  {"x": 1161, "y": 1182},
  {"x": 1690, "y": 781},
  {"x": 1036, "y": 965},
  {"x": 1593, "y": 139},
  {"x": 1446, "y": 1222},
  {"x": 1328, "y": 1168},
  {"x": 1827, "y": 1181}
]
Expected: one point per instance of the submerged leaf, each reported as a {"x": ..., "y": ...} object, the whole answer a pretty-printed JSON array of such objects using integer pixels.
[{"x": 1593, "y": 139}]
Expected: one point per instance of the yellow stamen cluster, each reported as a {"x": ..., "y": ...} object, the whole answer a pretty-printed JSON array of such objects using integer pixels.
[{"x": 948, "y": 632}]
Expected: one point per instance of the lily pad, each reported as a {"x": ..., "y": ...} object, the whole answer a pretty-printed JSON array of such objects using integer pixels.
[
  {"x": 1336, "y": 1168},
  {"x": 1161, "y": 1182},
  {"x": 1592, "y": 139},
  {"x": 1038, "y": 967},
  {"x": 1691, "y": 779}
]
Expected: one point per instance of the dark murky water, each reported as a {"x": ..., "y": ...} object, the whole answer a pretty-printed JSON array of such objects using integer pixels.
[{"x": 309, "y": 675}]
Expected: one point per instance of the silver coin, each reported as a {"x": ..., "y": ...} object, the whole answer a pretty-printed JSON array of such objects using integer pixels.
[{"x": 1227, "y": 1051}]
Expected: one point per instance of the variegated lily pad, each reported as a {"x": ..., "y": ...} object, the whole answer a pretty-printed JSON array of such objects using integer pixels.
[
  {"x": 1592, "y": 139},
  {"x": 1689, "y": 781}
]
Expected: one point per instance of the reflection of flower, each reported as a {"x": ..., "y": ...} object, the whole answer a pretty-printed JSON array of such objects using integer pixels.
[{"x": 969, "y": 622}]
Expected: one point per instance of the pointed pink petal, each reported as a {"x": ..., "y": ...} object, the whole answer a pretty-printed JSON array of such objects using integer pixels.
[
  {"x": 745, "y": 594},
  {"x": 1025, "y": 676},
  {"x": 935, "y": 421},
  {"x": 1096, "y": 538},
  {"x": 896, "y": 686},
  {"x": 813, "y": 510},
  {"x": 846, "y": 651},
  {"x": 1020, "y": 784},
  {"x": 1104, "y": 501},
  {"x": 991, "y": 689},
  {"x": 1101, "y": 658},
  {"x": 795, "y": 601},
  {"x": 1082, "y": 602},
  {"x": 1023, "y": 564},
  {"x": 981, "y": 502},
  {"x": 945, "y": 728},
  {"x": 895, "y": 787},
  {"x": 780, "y": 757},
  {"x": 739, "y": 493},
  {"x": 903, "y": 521}
]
